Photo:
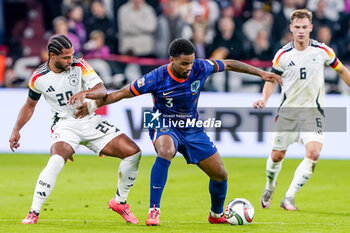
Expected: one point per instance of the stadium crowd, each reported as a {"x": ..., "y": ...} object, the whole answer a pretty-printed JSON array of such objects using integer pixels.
[{"x": 117, "y": 34}]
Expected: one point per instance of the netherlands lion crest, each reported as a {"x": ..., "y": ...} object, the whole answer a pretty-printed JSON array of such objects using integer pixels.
[{"x": 195, "y": 86}]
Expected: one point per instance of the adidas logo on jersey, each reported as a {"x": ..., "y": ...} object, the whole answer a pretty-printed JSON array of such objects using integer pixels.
[
  {"x": 291, "y": 63},
  {"x": 50, "y": 89}
]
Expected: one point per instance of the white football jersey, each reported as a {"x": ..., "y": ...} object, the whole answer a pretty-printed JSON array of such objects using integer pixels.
[
  {"x": 303, "y": 73},
  {"x": 58, "y": 88}
]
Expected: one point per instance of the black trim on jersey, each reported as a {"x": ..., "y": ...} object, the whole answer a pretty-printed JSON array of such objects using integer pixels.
[
  {"x": 55, "y": 119},
  {"x": 216, "y": 67},
  {"x": 333, "y": 62},
  {"x": 276, "y": 71},
  {"x": 284, "y": 99},
  {"x": 76, "y": 61},
  {"x": 43, "y": 68},
  {"x": 33, "y": 95},
  {"x": 319, "y": 106},
  {"x": 314, "y": 43},
  {"x": 289, "y": 46}
]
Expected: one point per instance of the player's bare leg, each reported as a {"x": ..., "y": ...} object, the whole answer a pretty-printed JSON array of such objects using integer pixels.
[
  {"x": 123, "y": 147},
  {"x": 302, "y": 174},
  {"x": 165, "y": 148},
  {"x": 273, "y": 168},
  {"x": 60, "y": 152},
  {"x": 214, "y": 168}
]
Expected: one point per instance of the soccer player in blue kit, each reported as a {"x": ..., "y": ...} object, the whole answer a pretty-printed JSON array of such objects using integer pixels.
[{"x": 175, "y": 88}]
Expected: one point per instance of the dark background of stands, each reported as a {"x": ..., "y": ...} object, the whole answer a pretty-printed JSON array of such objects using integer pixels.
[{"x": 121, "y": 45}]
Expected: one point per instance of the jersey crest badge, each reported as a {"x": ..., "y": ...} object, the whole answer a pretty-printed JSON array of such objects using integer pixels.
[
  {"x": 195, "y": 86},
  {"x": 313, "y": 58},
  {"x": 73, "y": 80}
]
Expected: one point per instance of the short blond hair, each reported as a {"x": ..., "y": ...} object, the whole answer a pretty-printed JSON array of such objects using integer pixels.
[{"x": 300, "y": 14}]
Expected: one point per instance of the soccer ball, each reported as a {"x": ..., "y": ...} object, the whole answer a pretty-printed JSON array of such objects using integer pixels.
[{"x": 239, "y": 211}]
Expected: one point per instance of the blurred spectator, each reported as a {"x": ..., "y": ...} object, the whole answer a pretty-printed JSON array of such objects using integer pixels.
[
  {"x": 155, "y": 5},
  {"x": 75, "y": 18},
  {"x": 199, "y": 42},
  {"x": 261, "y": 20},
  {"x": 242, "y": 9},
  {"x": 343, "y": 38},
  {"x": 300, "y": 4},
  {"x": 333, "y": 9},
  {"x": 229, "y": 42},
  {"x": 226, "y": 9},
  {"x": 211, "y": 12},
  {"x": 184, "y": 7},
  {"x": 137, "y": 23},
  {"x": 324, "y": 35},
  {"x": 170, "y": 26},
  {"x": 51, "y": 10},
  {"x": 11, "y": 80},
  {"x": 60, "y": 26},
  {"x": 261, "y": 47},
  {"x": 96, "y": 47},
  {"x": 206, "y": 18},
  {"x": 319, "y": 18},
  {"x": 281, "y": 20},
  {"x": 100, "y": 21},
  {"x": 287, "y": 37},
  {"x": 29, "y": 29}
]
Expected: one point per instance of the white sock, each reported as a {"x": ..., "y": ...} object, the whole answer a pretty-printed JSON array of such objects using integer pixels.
[
  {"x": 46, "y": 181},
  {"x": 127, "y": 173},
  {"x": 301, "y": 176},
  {"x": 272, "y": 171},
  {"x": 151, "y": 209},
  {"x": 215, "y": 215}
]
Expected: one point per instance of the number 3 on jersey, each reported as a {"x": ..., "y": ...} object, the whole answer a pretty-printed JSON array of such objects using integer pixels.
[
  {"x": 169, "y": 102},
  {"x": 302, "y": 73}
]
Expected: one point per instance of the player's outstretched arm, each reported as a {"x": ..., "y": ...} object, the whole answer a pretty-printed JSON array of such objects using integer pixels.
[
  {"x": 98, "y": 91},
  {"x": 237, "y": 66},
  {"x": 266, "y": 93},
  {"x": 115, "y": 96},
  {"x": 90, "y": 107},
  {"x": 344, "y": 73},
  {"x": 23, "y": 117}
]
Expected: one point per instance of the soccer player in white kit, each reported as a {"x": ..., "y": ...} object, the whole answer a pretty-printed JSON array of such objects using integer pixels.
[
  {"x": 301, "y": 65},
  {"x": 65, "y": 82}
]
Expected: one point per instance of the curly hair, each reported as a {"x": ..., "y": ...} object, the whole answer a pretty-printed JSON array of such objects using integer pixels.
[{"x": 181, "y": 47}]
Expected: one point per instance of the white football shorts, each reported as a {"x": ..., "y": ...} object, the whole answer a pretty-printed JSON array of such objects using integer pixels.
[
  {"x": 288, "y": 131},
  {"x": 94, "y": 132}
]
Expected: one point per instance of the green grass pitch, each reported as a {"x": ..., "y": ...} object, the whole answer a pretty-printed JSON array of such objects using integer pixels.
[{"x": 83, "y": 188}]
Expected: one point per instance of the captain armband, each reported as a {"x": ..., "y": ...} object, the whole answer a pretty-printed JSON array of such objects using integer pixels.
[{"x": 336, "y": 64}]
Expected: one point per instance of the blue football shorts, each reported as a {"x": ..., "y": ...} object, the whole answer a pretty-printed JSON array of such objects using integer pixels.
[{"x": 193, "y": 143}]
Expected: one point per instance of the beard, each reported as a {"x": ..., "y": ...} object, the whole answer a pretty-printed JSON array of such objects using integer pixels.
[{"x": 61, "y": 67}]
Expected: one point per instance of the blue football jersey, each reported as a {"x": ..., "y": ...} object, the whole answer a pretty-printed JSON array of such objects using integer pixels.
[{"x": 176, "y": 98}]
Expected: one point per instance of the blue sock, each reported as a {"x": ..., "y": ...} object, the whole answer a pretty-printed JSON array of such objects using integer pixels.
[
  {"x": 159, "y": 175},
  {"x": 217, "y": 190}
]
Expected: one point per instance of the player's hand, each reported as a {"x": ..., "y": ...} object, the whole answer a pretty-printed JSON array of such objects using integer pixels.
[
  {"x": 271, "y": 77},
  {"x": 82, "y": 110},
  {"x": 14, "y": 139},
  {"x": 77, "y": 99},
  {"x": 259, "y": 104}
]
